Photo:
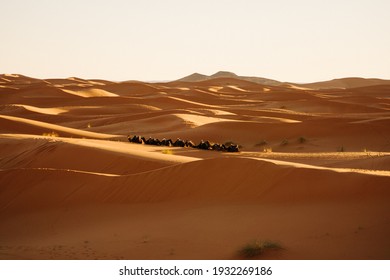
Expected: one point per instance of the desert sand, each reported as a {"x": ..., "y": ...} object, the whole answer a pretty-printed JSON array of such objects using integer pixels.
[{"x": 312, "y": 174}]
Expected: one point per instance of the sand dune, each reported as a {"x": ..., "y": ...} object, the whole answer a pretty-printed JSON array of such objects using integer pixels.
[
  {"x": 313, "y": 172},
  {"x": 9, "y": 121},
  {"x": 91, "y": 93},
  {"x": 258, "y": 181},
  {"x": 126, "y": 159},
  {"x": 46, "y": 111}
]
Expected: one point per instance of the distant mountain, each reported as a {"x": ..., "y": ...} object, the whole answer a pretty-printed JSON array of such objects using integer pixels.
[
  {"x": 196, "y": 77},
  {"x": 344, "y": 83},
  {"x": 224, "y": 74}
]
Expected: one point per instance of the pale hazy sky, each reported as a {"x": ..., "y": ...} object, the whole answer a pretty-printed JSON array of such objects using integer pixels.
[{"x": 296, "y": 41}]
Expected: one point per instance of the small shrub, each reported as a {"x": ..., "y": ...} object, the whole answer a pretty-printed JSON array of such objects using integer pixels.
[
  {"x": 341, "y": 149},
  {"x": 284, "y": 142},
  {"x": 50, "y": 134},
  {"x": 302, "y": 140},
  {"x": 261, "y": 143},
  {"x": 145, "y": 239},
  {"x": 167, "y": 152},
  {"x": 371, "y": 153},
  {"x": 258, "y": 248}
]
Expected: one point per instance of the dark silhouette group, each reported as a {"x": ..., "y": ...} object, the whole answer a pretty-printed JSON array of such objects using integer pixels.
[{"x": 203, "y": 145}]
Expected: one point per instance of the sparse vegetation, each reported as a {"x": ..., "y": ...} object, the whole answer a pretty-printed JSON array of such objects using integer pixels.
[
  {"x": 261, "y": 143},
  {"x": 267, "y": 150},
  {"x": 167, "y": 152},
  {"x": 302, "y": 140},
  {"x": 145, "y": 239},
  {"x": 258, "y": 248},
  {"x": 50, "y": 134},
  {"x": 372, "y": 153},
  {"x": 284, "y": 142},
  {"x": 341, "y": 149},
  {"x": 368, "y": 153}
]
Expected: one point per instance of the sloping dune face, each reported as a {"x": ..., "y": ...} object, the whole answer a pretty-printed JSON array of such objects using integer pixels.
[{"x": 312, "y": 174}]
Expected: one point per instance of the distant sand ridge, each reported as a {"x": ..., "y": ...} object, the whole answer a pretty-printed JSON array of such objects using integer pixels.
[{"x": 313, "y": 171}]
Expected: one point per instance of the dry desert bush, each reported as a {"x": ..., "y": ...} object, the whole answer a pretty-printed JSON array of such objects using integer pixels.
[
  {"x": 257, "y": 248},
  {"x": 51, "y": 134}
]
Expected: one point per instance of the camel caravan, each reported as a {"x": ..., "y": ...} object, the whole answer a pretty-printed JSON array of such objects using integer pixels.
[{"x": 203, "y": 145}]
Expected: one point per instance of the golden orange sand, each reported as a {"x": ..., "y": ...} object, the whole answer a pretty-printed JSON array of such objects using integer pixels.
[{"x": 313, "y": 173}]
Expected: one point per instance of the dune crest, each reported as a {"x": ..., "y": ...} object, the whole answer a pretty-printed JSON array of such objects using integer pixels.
[
  {"x": 47, "y": 111},
  {"x": 91, "y": 93}
]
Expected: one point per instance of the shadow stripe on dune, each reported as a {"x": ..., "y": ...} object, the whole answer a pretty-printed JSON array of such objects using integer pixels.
[
  {"x": 230, "y": 180},
  {"x": 62, "y": 169},
  {"x": 242, "y": 179},
  {"x": 334, "y": 169}
]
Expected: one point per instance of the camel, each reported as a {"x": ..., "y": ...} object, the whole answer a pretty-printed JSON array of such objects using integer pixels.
[
  {"x": 203, "y": 145},
  {"x": 179, "y": 143},
  {"x": 166, "y": 142},
  {"x": 219, "y": 147},
  {"x": 136, "y": 139},
  {"x": 153, "y": 141},
  {"x": 233, "y": 148},
  {"x": 189, "y": 143}
]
